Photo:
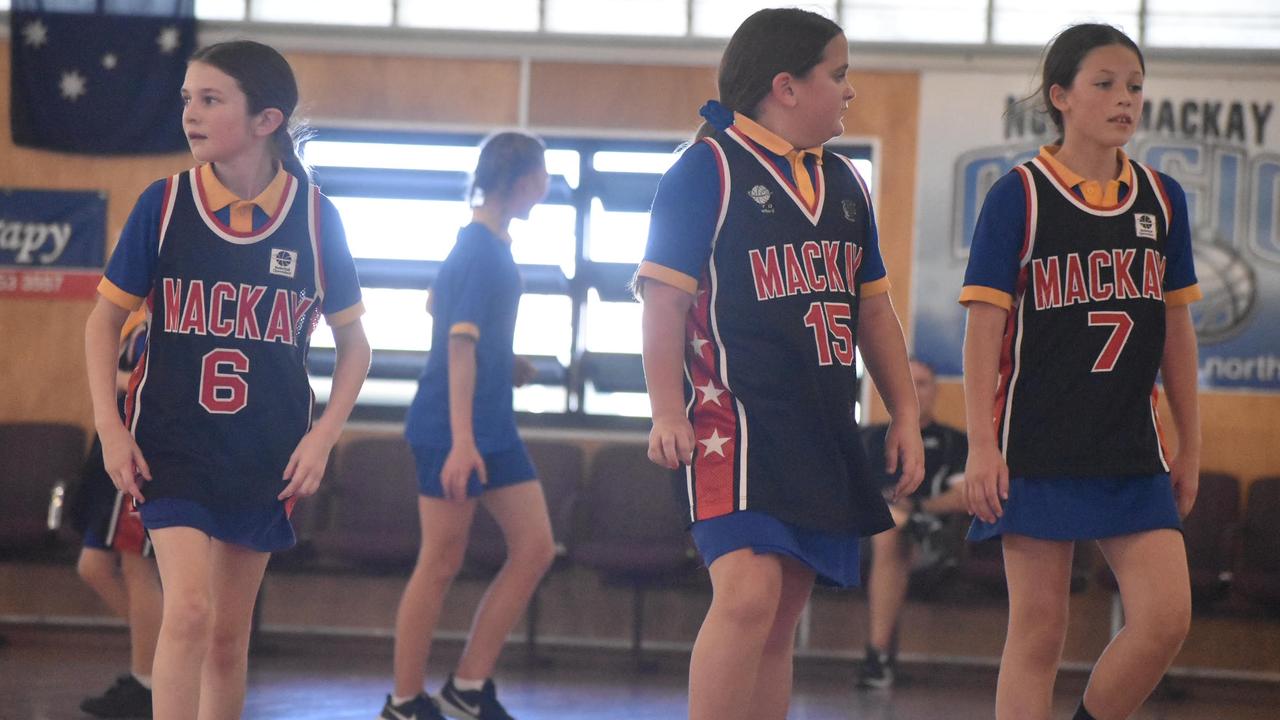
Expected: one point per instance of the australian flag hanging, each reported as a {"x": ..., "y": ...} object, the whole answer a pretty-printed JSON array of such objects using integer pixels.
[{"x": 99, "y": 76}]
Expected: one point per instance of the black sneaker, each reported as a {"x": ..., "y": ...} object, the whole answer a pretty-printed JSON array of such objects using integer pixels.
[
  {"x": 479, "y": 704},
  {"x": 419, "y": 708},
  {"x": 126, "y": 699},
  {"x": 876, "y": 672}
]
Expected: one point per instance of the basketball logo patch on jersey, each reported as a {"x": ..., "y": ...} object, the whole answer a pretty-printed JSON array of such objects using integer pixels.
[
  {"x": 283, "y": 262},
  {"x": 1146, "y": 225},
  {"x": 762, "y": 196},
  {"x": 850, "y": 208}
]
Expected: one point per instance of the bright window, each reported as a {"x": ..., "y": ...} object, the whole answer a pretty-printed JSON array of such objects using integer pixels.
[
  {"x": 336, "y": 12},
  {"x": 616, "y": 17},
  {"x": 928, "y": 21},
  {"x": 1023, "y": 22},
  {"x": 515, "y": 15}
]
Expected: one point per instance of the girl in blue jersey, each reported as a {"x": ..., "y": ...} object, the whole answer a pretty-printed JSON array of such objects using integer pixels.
[
  {"x": 1077, "y": 289},
  {"x": 761, "y": 278},
  {"x": 234, "y": 260},
  {"x": 462, "y": 428}
]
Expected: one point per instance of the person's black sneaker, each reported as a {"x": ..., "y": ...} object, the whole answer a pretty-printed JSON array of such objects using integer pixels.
[
  {"x": 419, "y": 708},
  {"x": 126, "y": 699},
  {"x": 479, "y": 704},
  {"x": 876, "y": 672}
]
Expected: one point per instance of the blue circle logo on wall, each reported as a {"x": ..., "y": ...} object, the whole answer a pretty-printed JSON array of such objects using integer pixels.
[{"x": 1230, "y": 291}]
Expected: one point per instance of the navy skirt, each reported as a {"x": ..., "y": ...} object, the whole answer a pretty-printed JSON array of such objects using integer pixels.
[
  {"x": 834, "y": 557},
  {"x": 1083, "y": 508},
  {"x": 265, "y": 529}
]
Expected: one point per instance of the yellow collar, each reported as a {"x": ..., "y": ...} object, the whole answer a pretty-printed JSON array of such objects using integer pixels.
[
  {"x": 217, "y": 196},
  {"x": 769, "y": 140},
  {"x": 1093, "y": 191}
]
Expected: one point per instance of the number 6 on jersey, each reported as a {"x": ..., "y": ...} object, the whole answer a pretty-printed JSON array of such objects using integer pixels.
[
  {"x": 221, "y": 392},
  {"x": 1121, "y": 325}
]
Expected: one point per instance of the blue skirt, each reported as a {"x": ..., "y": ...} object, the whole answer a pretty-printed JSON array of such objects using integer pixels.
[
  {"x": 1083, "y": 508},
  {"x": 834, "y": 557},
  {"x": 265, "y": 529}
]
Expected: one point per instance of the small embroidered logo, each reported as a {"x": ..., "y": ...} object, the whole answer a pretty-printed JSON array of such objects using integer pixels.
[
  {"x": 283, "y": 262},
  {"x": 1145, "y": 224}
]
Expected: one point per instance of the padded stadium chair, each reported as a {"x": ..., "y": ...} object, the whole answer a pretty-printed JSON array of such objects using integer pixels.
[
  {"x": 560, "y": 469},
  {"x": 630, "y": 528},
  {"x": 34, "y": 459},
  {"x": 1257, "y": 575},
  {"x": 373, "y": 520}
]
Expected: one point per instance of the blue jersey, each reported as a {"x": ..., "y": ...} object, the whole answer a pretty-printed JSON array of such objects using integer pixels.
[
  {"x": 1087, "y": 281},
  {"x": 220, "y": 398},
  {"x": 778, "y": 276},
  {"x": 476, "y": 294}
]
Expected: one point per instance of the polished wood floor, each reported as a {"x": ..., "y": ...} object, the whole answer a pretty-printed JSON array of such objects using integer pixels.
[{"x": 45, "y": 671}]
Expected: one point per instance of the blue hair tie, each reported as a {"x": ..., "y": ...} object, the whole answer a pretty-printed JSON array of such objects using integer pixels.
[{"x": 718, "y": 115}]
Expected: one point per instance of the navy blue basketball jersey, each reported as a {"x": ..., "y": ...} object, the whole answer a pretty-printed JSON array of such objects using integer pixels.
[
  {"x": 1085, "y": 336},
  {"x": 772, "y": 336},
  {"x": 221, "y": 398}
]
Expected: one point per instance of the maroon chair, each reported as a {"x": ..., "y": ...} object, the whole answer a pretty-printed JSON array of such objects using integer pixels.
[
  {"x": 35, "y": 458},
  {"x": 1257, "y": 574},
  {"x": 630, "y": 528},
  {"x": 372, "y": 523}
]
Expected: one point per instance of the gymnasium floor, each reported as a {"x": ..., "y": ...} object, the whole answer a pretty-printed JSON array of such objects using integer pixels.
[{"x": 45, "y": 671}]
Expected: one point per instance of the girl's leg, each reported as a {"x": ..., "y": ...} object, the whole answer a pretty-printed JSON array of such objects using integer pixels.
[
  {"x": 146, "y": 603},
  {"x": 1039, "y": 577},
  {"x": 746, "y": 595},
  {"x": 235, "y": 573},
  {"x": 444, "y": 539},
  {"x": 773, "y": 678},
  {"x": 183, "y": 556},
  {"x": 887, "y": 584},
  {"x": 521, "y": 512},
  {"x": 1151, "y": 568},
  {"x": 97, "y": 568}
]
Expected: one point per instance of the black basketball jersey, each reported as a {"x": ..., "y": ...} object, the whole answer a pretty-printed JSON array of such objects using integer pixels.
[
  {"x": 221, "y": 398},
  {"x": 771, "y": 363},
  {"x": 1086, "y": 333}
]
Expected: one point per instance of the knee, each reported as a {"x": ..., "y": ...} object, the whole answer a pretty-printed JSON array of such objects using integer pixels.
[
  {"x": 747, "y": 606},
  {"x": 1164, "y": 626},
  {"x": 228, "y": 647},
  {"x": 440, "y": 565},
  {"x": 534, "y": 555},
  {"x": 187, "y": 617},
  {"x": 1038, "y": 629},
  {"x": 93, "y": 570}
]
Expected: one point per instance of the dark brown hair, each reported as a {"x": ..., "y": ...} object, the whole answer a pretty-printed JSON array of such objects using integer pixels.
[
  {"x": 1064, "y": 54},
  {"x": 769, "y": 42},
  {"x": 505, "y": 157},
  {"x": 267, "y": 81}
]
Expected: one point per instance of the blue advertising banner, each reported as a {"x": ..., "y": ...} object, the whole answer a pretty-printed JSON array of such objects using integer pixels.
[
  {"x": 1219, "y": 139},
  {"x": 52, "y": 243}
]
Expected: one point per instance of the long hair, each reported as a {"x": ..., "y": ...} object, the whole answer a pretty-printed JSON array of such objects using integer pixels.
[
  {"x": 267, "y": 82},
  {"x": 1063, "y": 56},
  {"x": 769, "y": 42}
]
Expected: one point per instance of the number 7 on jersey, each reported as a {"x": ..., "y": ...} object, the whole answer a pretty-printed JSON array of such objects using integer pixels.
[{"x": 1121, "y": 326}]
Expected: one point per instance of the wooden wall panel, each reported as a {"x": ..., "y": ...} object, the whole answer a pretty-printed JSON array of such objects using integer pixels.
[{"x": 619, "y": 97}]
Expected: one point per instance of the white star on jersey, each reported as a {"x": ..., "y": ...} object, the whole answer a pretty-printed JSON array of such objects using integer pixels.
[
  {"x": 710, "y": 393},
  {"x": 109, "y": 61},
  {"x": 698, "y": 343},
  {"x": 72, "y": 85},
  {"x": 168, "y": 40},
  {"x": 35, "y": 34},
  {"x": 714, "y": 444}
]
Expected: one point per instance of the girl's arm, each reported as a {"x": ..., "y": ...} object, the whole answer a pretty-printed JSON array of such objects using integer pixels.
[
  {"x": 986, "y": 476},
  {"x": 884, "y": 350},
  {"x": 464, "y": 457},
  {"x": 306, "y": 465},
  {"x": 662, "y": 326},
  {"x": 120, "y": 454},
  {"x": 1179, "y": 368}
]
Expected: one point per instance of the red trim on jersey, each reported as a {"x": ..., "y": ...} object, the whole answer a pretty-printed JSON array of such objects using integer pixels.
[
  {"x": 164, "y": 206},
  {"x": 204, "y": 205},
  {"x": 817, "y": 180},
  {"x": 129, "y": 535},
  {"x": 1006, "y": 359},
  {"x": 713, "y": 471},
  {"x": 1164, "y": 197},
  {"x": 1164, "y": 446},
  {"x": 319, "y": 246},
  {"x": 1028, "y": 231}
]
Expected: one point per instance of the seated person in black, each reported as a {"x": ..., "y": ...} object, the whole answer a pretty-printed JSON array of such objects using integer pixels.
[{"x": 918, "y": 539}]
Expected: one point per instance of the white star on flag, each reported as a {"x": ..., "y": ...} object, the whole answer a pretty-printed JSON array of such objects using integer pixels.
[
  {"x": 714, "y": 444},
  {"x": 710, "y": 393},
  {"x": 109, "y": 61},
  {"x": 168, "y": 40},
  {"x": 35, "y": 34},
  {"x": 72, "y": 85},
  {"x": 698, "y": 343}
]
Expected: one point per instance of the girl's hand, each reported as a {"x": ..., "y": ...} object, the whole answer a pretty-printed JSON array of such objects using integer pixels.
[
  {"x": 1184, "y": 472},
  {"x": 306, "y": 465},
  {"x": 902, "y": 442},
  {"x": 523, "y": 372},
  {"x": 671, "y": 442},
  {"x": 463, "y": 459},
  {"x": 986, "y": 482},
  {"x": 123, "y": 461}
]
